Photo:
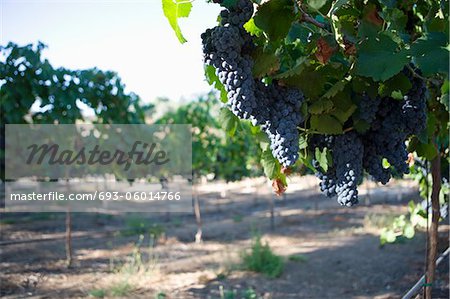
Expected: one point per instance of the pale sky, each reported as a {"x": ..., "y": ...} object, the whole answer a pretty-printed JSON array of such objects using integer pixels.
[{"x": 132, "y": 38}]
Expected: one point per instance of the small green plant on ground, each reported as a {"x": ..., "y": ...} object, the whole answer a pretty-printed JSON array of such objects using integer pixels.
[
  {"x": 136, "y": 262},
  {"x": 261, "y": 259},
  {"x": 227, "y": 294},
  {"x": 249, "y": 293},
  {"x": 121, "y": 289},
  {"x": 97, "y": 293},
  {"x": 404, "y": 227},
  {"x": 160, "y": 295}
]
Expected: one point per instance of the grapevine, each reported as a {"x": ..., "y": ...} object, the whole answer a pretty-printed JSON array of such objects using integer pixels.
[{"x": 276, "y": 108}]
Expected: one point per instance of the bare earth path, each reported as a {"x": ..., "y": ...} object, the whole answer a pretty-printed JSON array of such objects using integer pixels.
[{"x": 338, "y": 249}]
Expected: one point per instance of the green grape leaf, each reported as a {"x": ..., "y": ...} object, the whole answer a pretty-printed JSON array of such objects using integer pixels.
[
  {"x": 361, "y": 126},
  {"x": 361, "y": 85},
  {"x": 431, "y": 53},
  {"x": 325, "y": 123},
  {"x": 279, "y": 12},
  {"x": 228, "y": 3},
  {"x": 396, "y": 19},
  {"x": 264, "y": 63},
  {"x": 316, "y": 4},
  {"x": 298, "y": 32},
  {"x": 270, "y": 164},
  {"x": 323, "y": 158},
  {"x": 174, "y": 9},
  {"x": 387, "y": 236},
  {"x": 259, "y": 136},
  {"x": 399, "y": 84},
  {"x": 337, "y": 87},
  {"x": 255, "y": 130},
  {"x": 444, "y": 98},
  {"x": 303, "y": 141},
  {"x": 228, "y": 120},
  {"x": 320, "y": 106},
  {"x": 305, "y": 159},
  {"x": 344, "y": 105},
  {"x": 379, "y": 59},
  {"x": 304, "y": 79},
  {"x": 389, "y": 3},
  {"x": 251, "y": 28},
  {"x": 385, "y": 163},
  {"x": 426, "y": 150},
  {"x": 343, "y": 114},
  {"x": 408, "y": 231},
  {"x": 367, "y": 29},
  {"x": 213, "y": 80},
  {"x": 411, "y": 206},
  {"x": 397, "y": 95},
  {"x": 299, "y": 66},
  {"x": 336, "y": 5}
]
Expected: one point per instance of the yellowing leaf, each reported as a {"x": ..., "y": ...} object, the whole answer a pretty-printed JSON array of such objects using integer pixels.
[
  {"x": 174, "y": 9},
  {"x": 251, "y": 28}
]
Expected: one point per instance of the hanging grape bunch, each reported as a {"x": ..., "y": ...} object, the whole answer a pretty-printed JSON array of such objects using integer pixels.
[
  {"x": 276, "y": 108},
  {"x": 227, "y": 47}
]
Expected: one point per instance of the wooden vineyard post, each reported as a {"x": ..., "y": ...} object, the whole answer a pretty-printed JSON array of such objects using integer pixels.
[
  {"x": 272, "y": 212},
  {"x": 165, "y": 188},
  {"x": 68, "y": 240},
  {"x": 433, "y": 233},
  {"x": 198, "y": 218}
]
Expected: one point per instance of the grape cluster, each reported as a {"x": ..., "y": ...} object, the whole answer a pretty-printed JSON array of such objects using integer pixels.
[
  {"x": 395, "y": 121},
  {"x": 373, "y": 163},
  {"x": 277, "y": 109},
  {"x": 368, "y": 107},
  {"x": 392, "y": 122},
  {"x": 237, "y": 15},
  {"x": 388, "y": 134},
  {"x": 283, "y": 118},
  {"x": 327, "y": 179},
  {"x": 348, "y": 154},
  {"x": 222, "y": 49},
  {"x": 414, "y": 107},
  {"x": 343, "y": 176}
]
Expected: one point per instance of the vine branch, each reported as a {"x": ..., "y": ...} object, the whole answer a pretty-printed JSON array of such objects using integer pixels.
[
  {"x": 415, "y": 74},
  {"x": 305, "y": 17}
]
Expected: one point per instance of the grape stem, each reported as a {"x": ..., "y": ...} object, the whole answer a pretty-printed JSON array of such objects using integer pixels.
[
  {"x": 415, "y": 74},
  {"x": 305, "y": 17},
  {"x": 317, "y": 132},
  {"x": 348, "y": 129},
  {"x": 308, "y": 130}
]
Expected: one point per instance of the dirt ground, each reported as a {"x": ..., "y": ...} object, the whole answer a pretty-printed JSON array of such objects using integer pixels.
[{"x": 329, "y": 251}]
